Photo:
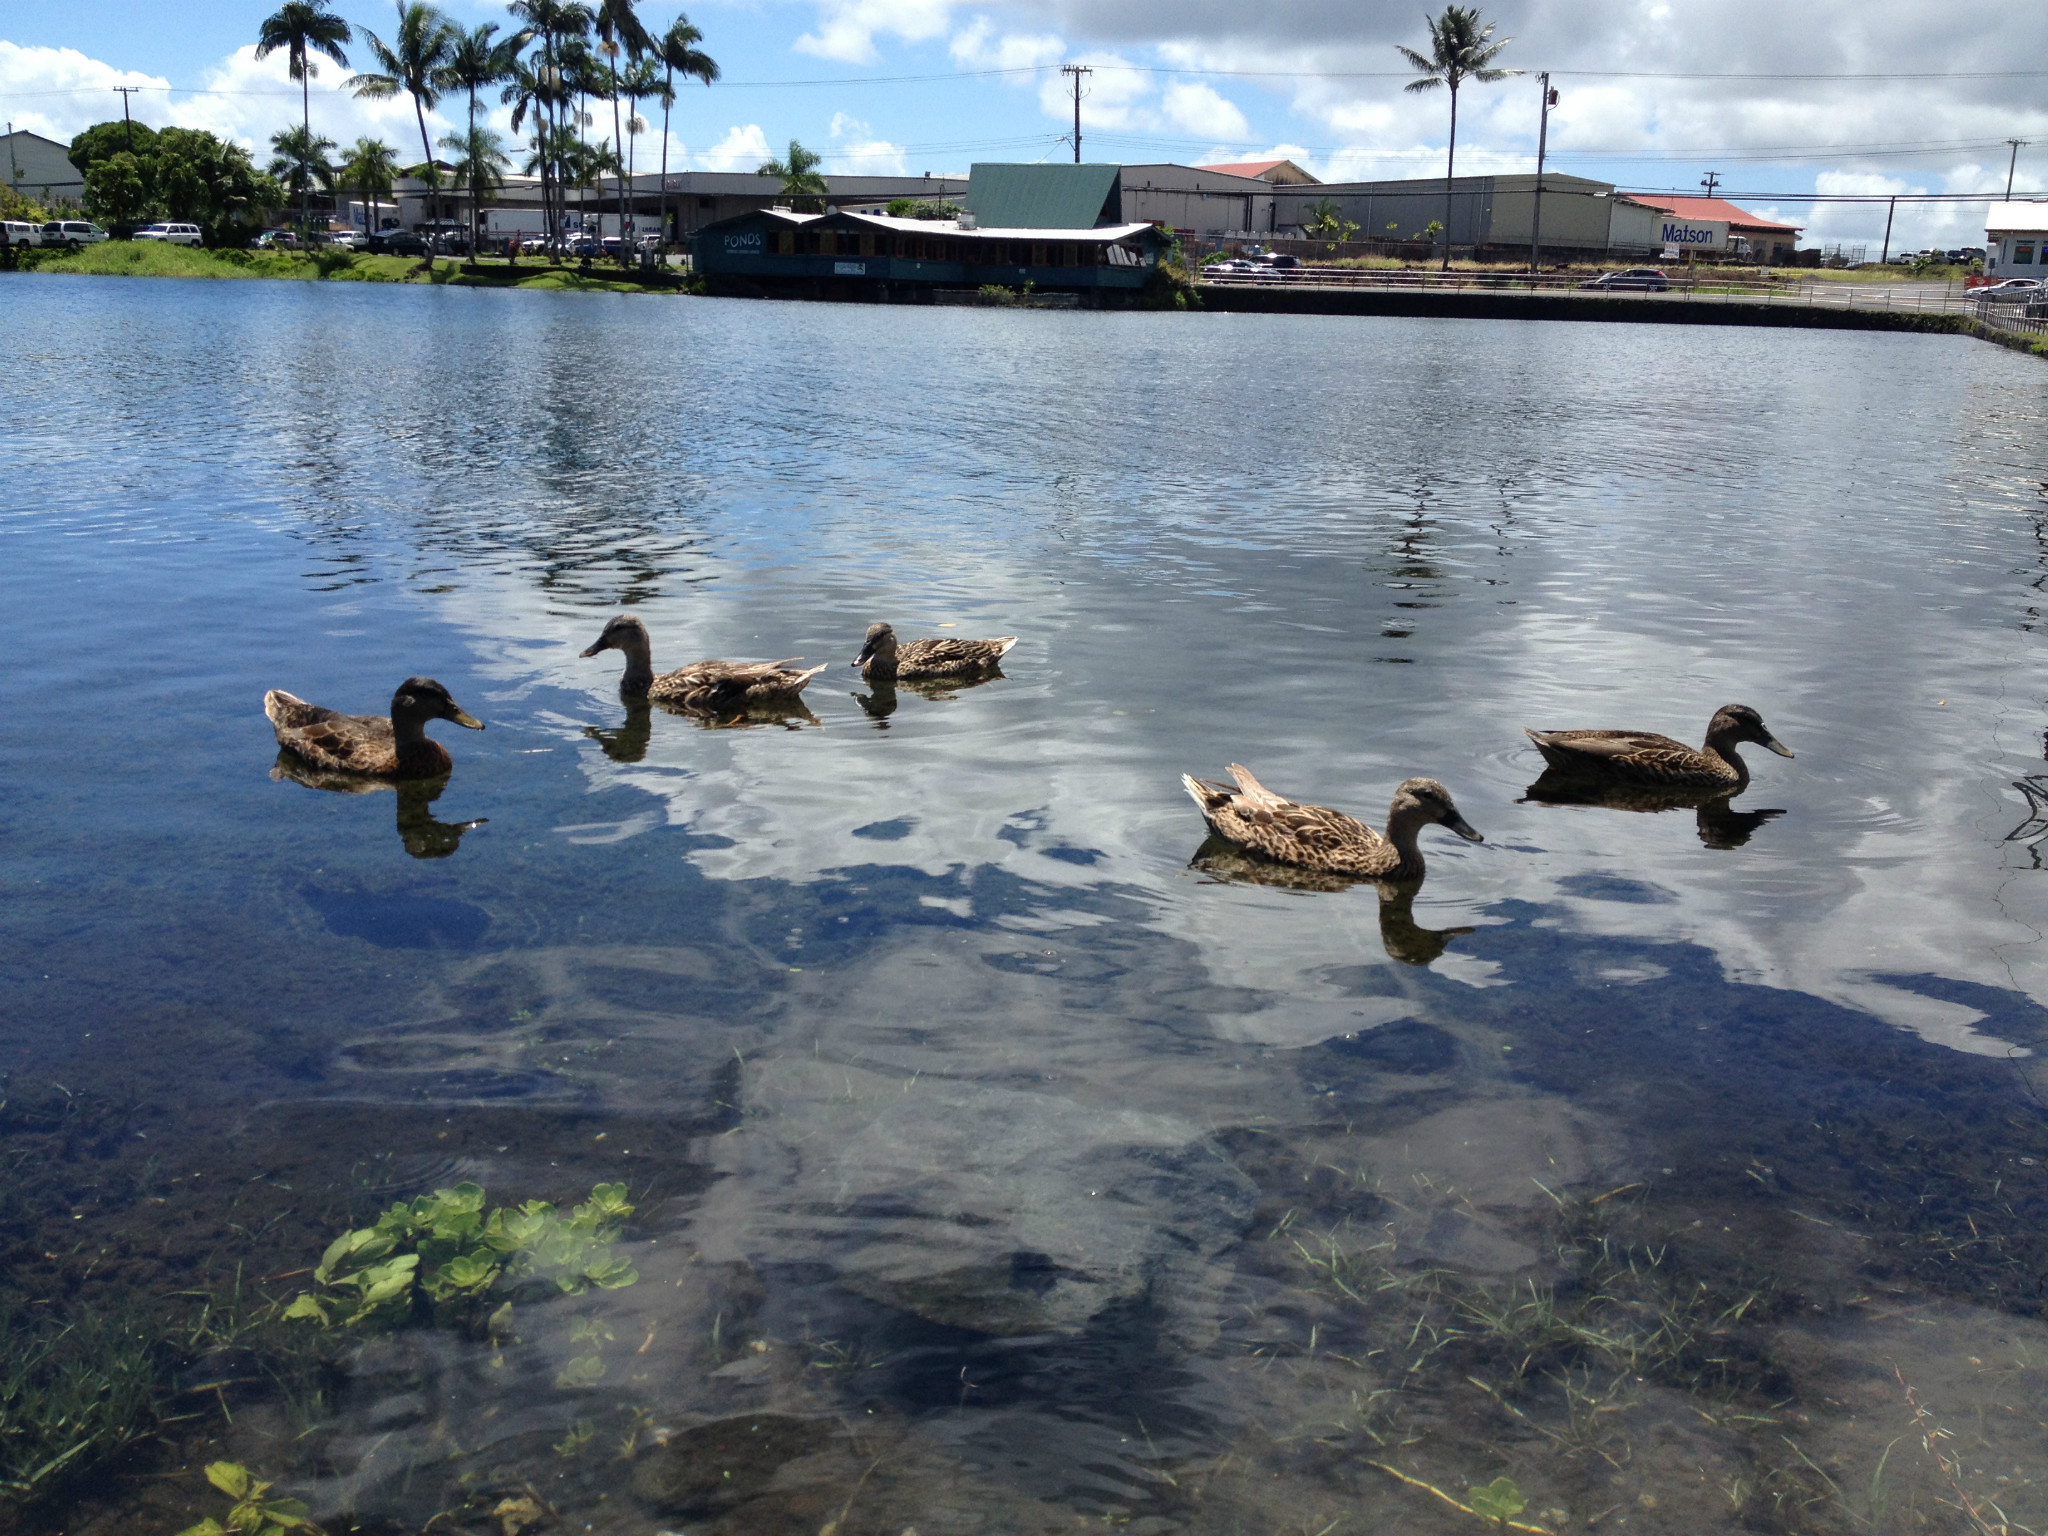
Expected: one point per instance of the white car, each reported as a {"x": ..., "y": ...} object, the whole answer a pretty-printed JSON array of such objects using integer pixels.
[
  {"x": 72, "y": 233},
  {"x": 171, "y": 234},
  {"x": 22, "y": 234},
  {"x": 2014, "y": 290}
]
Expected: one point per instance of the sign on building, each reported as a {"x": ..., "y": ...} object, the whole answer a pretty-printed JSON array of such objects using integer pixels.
[{"x": 1679, "y": 234}]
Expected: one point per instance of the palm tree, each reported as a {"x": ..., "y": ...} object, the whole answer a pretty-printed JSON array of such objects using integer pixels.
[
  {"x": 679, "y": 55},
  {"x": 299, "y": 160},
  {"x": 801, "y": 183},
  {"x": 640, "y": 83},
  {"x": 476, "y": 61},
  {"x": 527, "y": 95},
  {"x": 302, "y": 28},
  {"x": 480, "y": 165},
  {"x": 1459, "y": 50},
  {"x": 619, "y": 28},
  {"x": 370, "y": 166},
  {"x": 416, "y": 62}
]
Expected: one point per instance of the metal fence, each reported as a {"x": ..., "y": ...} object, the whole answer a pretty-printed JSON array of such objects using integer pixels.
[{"x": 2014, "y": 319}]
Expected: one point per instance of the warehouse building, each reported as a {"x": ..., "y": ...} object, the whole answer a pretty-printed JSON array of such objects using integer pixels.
[
  {"x": 1489, "y": 215},
  {"x": 776, "y": 253},
  {"x": 40, "y": 168},
  {"x": 1716, "y": 225}
]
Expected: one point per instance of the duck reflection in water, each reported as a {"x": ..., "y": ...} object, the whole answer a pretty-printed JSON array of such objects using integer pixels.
[
  {"x": 1406, "y": 940},
  {"x": 1720, "y": 825},
  {"x": 423, "y": 836},
  {"x": 879, "y": 703},
  {"x": 627, "y": 742}
]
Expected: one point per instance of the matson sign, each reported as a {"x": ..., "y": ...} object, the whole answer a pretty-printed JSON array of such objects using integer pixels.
[{"x": 1693, "y": 234}]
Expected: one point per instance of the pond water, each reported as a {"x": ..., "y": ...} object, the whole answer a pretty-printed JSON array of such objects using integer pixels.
[{"x": 998, "y": 1164}]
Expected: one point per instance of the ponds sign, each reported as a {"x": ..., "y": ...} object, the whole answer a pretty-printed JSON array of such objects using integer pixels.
[{"x": 1693, "y": 234}]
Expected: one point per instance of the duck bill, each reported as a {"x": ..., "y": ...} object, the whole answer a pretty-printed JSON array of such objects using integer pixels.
[
  {"x": 593, "y": 650},
  {"x": 465, "y": 718},
  {"x": 1775, "y": 745},
  {"x": 866, "y": 655},
  {"x": 1463, "y": 828}
]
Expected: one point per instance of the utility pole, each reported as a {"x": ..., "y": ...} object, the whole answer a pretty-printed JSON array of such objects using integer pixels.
[
  {"x": 1077, "y": 71},
  {"x": 1884, "y": 254},
  {"x": 1542, "y": 143},
  {"x": 127, "y": 91},
  {"x": 1710, "y": 181},
  {"x": 2012, "y": 165}
]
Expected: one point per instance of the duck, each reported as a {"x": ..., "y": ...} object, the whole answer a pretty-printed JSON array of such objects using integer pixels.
[
  {"x": 385, "y": 747},
  {"x": 882, "y": 659},
  {"x": 702, "y": 684},
  {"x": 1644, "y": 757},
  {"x": 1316, "y": 837}
]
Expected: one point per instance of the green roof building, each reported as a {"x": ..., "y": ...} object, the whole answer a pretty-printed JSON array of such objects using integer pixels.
[{"x": 1045, "y": 196}]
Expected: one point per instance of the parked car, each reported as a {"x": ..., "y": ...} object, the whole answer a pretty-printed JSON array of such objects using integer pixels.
[
  {"x": 1641, "y": 279},
  {"x": 18, "y": 233},
  {"x": 397, "y": 242},
  {"x": 348, "y": 239},
  {"x": 171, "y": 234},
  {"x": 1279, "y": 263},
  {"x": 2014, "y": 290},
  {"x": 72, "y": 233},
  {"x": 1235, "y": 266},
  {"x": 277, "y": 240}
]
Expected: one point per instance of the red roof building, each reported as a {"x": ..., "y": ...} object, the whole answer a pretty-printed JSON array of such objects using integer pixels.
[
  {"x": 1280, "y": 172},
  {"x": 1768, "y": 240}
]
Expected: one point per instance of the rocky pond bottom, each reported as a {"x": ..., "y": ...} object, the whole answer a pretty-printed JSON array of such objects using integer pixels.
[{"x": 894, "y": 1114}]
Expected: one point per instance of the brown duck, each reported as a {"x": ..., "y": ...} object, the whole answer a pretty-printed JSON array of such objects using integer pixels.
[
  {"x": 1316, "y": 837},
  {"x": 393, "y": 747},
  {"x": 883, "y": 660},
  {"x": 702, "y": 684},
  {"x": 1643, "y": 757}
]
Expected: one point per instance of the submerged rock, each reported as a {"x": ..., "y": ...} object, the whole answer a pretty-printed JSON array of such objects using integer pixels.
[
  {"x": 993, "y": 1209},
  {"x": 728, "y": 1461}
]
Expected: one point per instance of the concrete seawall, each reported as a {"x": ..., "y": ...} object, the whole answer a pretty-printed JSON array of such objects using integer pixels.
[{"x": 1456, "y": 304}]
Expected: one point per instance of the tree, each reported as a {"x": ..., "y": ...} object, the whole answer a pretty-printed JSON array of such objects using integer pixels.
[
  {"x": 178, "y": 173},
  {"x": 298, "y": 160},
  {"x": 477, "y": 60},
  {"x": 370, "y": 166},
  {"x": 619, "y": 29},
  {"x": 302, "y": 28},
  {"x": 1459, "y": 50},
  {"x": 416, "y": 62},
  {"x": 118, "y": 188},
  {"x": 1326, "y": 221},
  {"x": 679, "y": 55},
  {"x": 480, "y": 165},
  {"x": 801, "y": 183}
]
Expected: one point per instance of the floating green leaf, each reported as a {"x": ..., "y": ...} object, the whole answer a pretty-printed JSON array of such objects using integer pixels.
[{"x": 1499, "y": 1500}]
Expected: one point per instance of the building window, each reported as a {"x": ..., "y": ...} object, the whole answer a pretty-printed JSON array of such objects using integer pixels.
[
  {"x": 2023, "y": 253},
  {"x": 703, "y": 202},
  {"x": 867, "y": 243},
  {"x": 1086, "y": 256}
]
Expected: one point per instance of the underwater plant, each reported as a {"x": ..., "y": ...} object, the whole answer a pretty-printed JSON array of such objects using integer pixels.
[
  {"x": 441, "y": 1258},
  {"x": 254, "y": 1512}
]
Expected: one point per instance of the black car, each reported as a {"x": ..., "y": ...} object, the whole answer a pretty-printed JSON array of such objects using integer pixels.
[
  {"x": 1641, "y": 279},
  {"x": 397, "y": 242}
]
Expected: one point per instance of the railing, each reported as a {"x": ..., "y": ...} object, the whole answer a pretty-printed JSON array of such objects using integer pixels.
[
  {"x": 1938, "y": 298},
  {"x": 2015, "y": 319}
]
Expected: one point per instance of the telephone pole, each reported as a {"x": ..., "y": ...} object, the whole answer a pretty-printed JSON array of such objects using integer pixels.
[
  {"x": 129, "y": 122},
  {"x": 1077, "y": 71},
  {"x": 2012, "y": 164},
  {"x": 1710, "y": 181},
  {"x": 1542, "y": 142}
]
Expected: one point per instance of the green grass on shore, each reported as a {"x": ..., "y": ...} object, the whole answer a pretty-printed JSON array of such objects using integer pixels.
[{"x": 139, "y": 258}]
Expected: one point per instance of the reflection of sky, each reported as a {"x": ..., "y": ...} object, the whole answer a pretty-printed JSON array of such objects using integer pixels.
[{"x": 1341, "y": 552}]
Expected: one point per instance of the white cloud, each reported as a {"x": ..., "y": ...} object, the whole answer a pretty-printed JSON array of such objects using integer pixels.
[
  {"x": 978, "y": 47},
  {"x": 846, "y": 28},
  {"x": 857, "y": 152},
  {"x": 742, "y": 149},
  {"x": 58, "y": 92},
  {"x": 1112, "y": 97},
  {"x": 248, "y": 99},
  {"x": 1201, "y": 110}
]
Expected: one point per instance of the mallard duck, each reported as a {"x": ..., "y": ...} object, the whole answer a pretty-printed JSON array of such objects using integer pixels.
[
  {"x": 1318, "y": 838},
  {"x": 702, "y": 684},
  {"x": 1643, "y": 757},
  {"x": 396, "y": 747},
  {"x": 882, "y": 659}
]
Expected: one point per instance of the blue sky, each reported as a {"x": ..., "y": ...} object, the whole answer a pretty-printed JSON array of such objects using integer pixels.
[{"x": 1842, "y": 96}]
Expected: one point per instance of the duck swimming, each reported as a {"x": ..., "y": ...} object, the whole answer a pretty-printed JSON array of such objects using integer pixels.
[
  {"x": 1643, "y": 757},
  {"x": 702, "y": 684},
  {"x": 393, "y": 747},
  {"x": 1316, "y": 837},
  {"x": 882, "y": 659}
]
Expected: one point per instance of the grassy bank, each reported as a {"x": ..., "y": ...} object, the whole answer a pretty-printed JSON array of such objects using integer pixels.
[{"x": 136, "y": 258}]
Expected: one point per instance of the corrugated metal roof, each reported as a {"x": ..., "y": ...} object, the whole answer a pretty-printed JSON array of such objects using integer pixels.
[
  {"x": 1044, "y": 196},
  {"x": 1710, "y": 209},
  {"x": 1103, "y": 232}
]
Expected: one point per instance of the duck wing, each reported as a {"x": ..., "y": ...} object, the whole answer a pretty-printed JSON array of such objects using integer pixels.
[
  {"x": 1304, "y": 834},
  {"x": 328, "y": 739},
  {"x": 1636, "y": 752},
  {"x": 943, "y": 655},
  {"x": 704, "y": 684}
]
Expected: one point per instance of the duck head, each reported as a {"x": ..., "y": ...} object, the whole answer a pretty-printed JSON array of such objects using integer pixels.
[
  {"x": 1418, "y": 802},
  {"x": 624, "y": 633},
  {"x": 881, "y": 641},
  {"x": 1738, "y": 722},
  {"x": 420, "y": 699}
]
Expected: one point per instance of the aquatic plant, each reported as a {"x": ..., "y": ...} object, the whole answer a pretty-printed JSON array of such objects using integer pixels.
[
  {"x": 74, "y": 1392},
  {"x": 254, "y": 1512},
  {"x": 441, "y": 1258}
]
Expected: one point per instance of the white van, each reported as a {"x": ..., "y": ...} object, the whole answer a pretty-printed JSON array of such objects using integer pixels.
[
  {"x": 170, "y": 234},
  {"x": 22, "y": 234},
  {"x": 72, "y": 233}
]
